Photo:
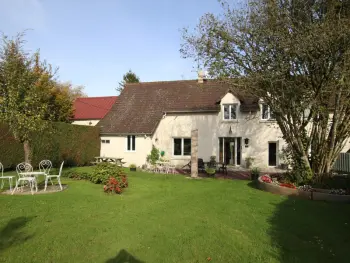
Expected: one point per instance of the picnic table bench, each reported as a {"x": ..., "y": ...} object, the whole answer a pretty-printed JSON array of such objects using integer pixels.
[{"x": 114, "y": 160}]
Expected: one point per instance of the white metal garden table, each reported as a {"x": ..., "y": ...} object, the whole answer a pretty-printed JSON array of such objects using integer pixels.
[{"x": 29, "y": 175}]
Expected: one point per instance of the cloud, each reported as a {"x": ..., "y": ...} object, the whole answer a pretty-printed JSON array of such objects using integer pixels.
[{"x": 18, "y": 15}]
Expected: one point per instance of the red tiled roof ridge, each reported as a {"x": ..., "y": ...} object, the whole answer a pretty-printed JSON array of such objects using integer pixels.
[{"x": 97, "y": 97}]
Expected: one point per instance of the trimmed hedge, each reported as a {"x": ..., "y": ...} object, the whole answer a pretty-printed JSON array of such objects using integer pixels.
[{"x": 74, "y": 144}]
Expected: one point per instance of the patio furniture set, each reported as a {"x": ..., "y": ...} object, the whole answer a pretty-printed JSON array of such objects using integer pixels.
[
  {"x": 220, "y": 167},
  {"x": 165, "y": 167},
  {"x": 27, "y": 176},
  {"x": 114, "y": 160}
]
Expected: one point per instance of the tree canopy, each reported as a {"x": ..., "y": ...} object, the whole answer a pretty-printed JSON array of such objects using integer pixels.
[
  {"x": 295, "y": 56},
  {"x": 30, "y": 96},
  {"x": 129, "y": 77}
]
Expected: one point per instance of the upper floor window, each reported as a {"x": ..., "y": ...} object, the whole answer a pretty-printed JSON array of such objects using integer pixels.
[
  {"x": 105, "y": 141},
  {"x": 230, "y": 111},
  {"x": 266, "y": 112},
  {"x": 130, "y": 143}
]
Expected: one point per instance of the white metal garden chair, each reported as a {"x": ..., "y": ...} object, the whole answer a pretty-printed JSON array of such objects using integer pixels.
[
  {"x": 58, "y": 176},
  {"x": 45, "y": 166},
  {"x": 8, "y": 177},
  {"x": 171, "y": 169},
  {"x": 22, "y": 179}
]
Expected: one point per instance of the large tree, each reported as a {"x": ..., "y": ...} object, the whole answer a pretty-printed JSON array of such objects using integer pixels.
[
  {"x": 295, "y": 56},
  {"x": 128, "y": 77},
  {"x": 30, "y": 97}
]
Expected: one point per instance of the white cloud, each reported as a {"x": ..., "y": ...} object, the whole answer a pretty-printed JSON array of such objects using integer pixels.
[{"x": 18, "y": 15}]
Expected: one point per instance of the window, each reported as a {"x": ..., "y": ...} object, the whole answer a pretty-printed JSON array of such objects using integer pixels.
[
  {"x": 105, "y": 141},
  {"x": 266, "y": 112},
  {"x": 182, "y": 147},
  {"x": 130, "y": 143},
  {"x": 230, "y": 111}
]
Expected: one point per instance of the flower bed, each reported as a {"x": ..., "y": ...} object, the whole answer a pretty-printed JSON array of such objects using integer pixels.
[{"x": 267, "y": 184}]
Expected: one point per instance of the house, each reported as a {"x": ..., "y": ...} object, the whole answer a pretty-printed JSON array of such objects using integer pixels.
[
  {"x": 232, "y": 126},
  {"x": 90, "y": 110}
]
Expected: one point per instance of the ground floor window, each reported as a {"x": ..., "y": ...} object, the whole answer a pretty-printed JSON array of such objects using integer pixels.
[
  {"x": 130, "y": 143},
  {"x": 230, "y": 150},
  {"x": 182, "y": 146}
]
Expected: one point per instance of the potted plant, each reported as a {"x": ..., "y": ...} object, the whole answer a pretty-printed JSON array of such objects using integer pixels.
[
  {"x": 210, "y": 171},
  {"x": 132, "y": 167}
]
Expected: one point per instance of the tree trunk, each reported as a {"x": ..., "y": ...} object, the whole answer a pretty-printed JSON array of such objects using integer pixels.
[
  {"x": 194, "y": 154},
  {"x": 27, "y": 152}
]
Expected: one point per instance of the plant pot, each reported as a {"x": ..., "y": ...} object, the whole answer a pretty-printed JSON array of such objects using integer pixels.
[{"x": 133, "y": 169}]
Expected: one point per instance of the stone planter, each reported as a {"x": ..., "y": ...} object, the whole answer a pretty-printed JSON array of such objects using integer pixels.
[{"x": 317, "y": 194}]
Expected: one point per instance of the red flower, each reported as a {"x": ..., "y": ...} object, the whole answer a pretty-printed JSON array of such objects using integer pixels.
[
  {"x": 288, "y": 185},
  {"x": 266, "y": 179}
]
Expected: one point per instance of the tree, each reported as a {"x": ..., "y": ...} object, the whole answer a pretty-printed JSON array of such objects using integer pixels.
[
  {"x": 129, "y": 77},
  {"x": 30, "y": 97},
  {"x": 24, "y": 81},
  {"x": 295, "y": 56}
]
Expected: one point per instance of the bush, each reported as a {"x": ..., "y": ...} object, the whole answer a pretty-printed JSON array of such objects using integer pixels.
[
  {"x": 254, "y": 173},
  {"x": 249, "y": 161},
  {"x": 103, "y": 171},
  {"x": 132, "y": 165},
  {"x": 153, "y": 157},
  {"x": 77, "y": 173},
  {"x": 74, "y": 144},
  {"x": 116, "y": 185}
]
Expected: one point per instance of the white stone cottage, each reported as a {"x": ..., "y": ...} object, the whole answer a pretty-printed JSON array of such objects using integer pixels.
[{"x": 231, "y": 126}]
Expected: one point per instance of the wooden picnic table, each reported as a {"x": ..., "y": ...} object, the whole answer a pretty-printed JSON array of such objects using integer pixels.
[{"x": 103, "y": 159}]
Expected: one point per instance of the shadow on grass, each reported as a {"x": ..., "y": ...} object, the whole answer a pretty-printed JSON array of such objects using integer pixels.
[
  {"x": 311, "y": 231},
  {"x": 124, "y": 257},
  {"x": 11, "y": 234}
]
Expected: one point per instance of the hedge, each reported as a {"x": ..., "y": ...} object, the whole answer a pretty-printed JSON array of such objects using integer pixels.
[{"x": 74, "y": 144}]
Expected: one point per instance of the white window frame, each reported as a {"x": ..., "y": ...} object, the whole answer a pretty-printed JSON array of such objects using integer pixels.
[
  {"x": 268, "y": 113},
  {"x": 182, "y": 146},
  {"x": 131, "y": 143},
  {"x": 229, "y": 109},
  {"x": 104, "y": 141}
]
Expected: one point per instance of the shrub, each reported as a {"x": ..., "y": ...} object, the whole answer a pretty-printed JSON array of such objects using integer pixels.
[
  {"x": 254, "y": 173},
  {"x": 74, "y": 144},
  {"x": 115, "y": 185},
  {"x": 77, "y": 175},
  {"x": 132, "y": 165},
  {"x": 103, "y": 171},
  {"x": 153, "y": 157}
]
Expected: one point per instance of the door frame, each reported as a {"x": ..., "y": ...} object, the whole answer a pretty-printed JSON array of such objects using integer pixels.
[
  {"x": 235, "y": 139},
  {"x": 268, "y": 153}
]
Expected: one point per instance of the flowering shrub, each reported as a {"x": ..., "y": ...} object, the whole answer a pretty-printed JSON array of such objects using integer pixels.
[
  {"x": 116, "y": 185},
  {"x": 307, "y": 188},
  {"x": 288, "y": 185},
  {"x": 266, "y": 179},
  {"x": 337, "y": 192}
]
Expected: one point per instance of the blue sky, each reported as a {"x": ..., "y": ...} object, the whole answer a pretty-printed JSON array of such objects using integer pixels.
[{"x": 95, "y": 42}]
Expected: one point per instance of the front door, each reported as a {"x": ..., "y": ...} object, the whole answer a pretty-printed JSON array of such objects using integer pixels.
[
  {"x": 272, "y": 154},
  {"x": 230, "y": 150}
]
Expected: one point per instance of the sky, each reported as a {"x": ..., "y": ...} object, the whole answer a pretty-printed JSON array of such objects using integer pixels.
[{"x": 93, "y": 43}]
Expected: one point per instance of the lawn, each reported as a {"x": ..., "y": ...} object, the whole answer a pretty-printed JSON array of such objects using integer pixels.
[{"x": 171, "y": 219}]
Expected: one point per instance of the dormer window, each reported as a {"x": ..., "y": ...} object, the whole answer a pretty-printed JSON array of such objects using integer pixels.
[
  {"x": 230, "y": 111},
  {"x": 267, "y": 113}
]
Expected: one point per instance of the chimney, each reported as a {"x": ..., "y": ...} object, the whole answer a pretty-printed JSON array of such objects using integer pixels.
[{"x": 201, "y": 76}]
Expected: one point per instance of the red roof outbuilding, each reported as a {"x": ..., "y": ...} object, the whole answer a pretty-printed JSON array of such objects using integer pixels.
[{"x": 92, "y": 108}]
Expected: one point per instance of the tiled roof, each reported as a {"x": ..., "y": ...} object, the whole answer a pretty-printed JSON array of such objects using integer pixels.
[
  {"x": 140, "y": 106},
  {"x": 92, "y": 108}
]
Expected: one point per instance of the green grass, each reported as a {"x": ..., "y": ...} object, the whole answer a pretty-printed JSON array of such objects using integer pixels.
[{"x": 171, "y": 219}]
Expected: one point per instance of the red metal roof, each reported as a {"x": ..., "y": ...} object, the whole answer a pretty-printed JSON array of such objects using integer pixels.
[{"x": 92, "y": 108}]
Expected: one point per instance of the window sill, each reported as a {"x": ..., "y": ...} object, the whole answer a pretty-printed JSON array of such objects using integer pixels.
[
  {"x": 230, "y": 121},
  {"x": 267, "y": 121},
  {"x": 130, "y": 151},
  {"x": 181, "y": 157}
]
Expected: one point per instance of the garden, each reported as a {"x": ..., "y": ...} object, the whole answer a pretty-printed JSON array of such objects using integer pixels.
[{"x": 161, "y": 218}]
